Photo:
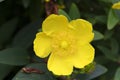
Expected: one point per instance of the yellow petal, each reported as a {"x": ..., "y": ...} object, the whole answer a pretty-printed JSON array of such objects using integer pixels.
[
  {"x": 42, "y": 45},
  {"x": 116, "y": 5},
  {"x": 83, "y": 56},
  {"x": 54, "y": 23},
  {"x": 59, "y": 65},
  {"x": 83, "y": 30}
]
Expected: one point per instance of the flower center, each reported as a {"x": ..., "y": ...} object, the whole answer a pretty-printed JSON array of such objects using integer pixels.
[{"x": 64, "y": 44}]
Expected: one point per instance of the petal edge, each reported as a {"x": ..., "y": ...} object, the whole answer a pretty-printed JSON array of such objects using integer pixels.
[
  {"x": 84, "y": 56},
  {"x": 54, "y": 23},
  {"x": 42, "y": 45},
  {"x": 59, "y": 66}
]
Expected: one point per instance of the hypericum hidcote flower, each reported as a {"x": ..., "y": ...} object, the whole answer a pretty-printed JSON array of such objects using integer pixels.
[
  {"x": 66, "y": 43},
  {"x": 116, "y": 5}
]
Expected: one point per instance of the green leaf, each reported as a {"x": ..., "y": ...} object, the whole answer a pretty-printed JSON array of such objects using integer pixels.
[
  {"x": 26, "y": 3},
  {"x": 98, "y": 35},
  {"x": 89, "y": 68},
  {"x": 35, "y": 76},
  {"x": 101, "y": 19},
  {"x": 1, "y": 0},
  {"x": 36, "y": 10},
  {"x": 7, "y": 29},
  {"x": 4, "y": 70},
  {"x": 62, "y": 12},
  {"x": 74, "y": 12},
  {"x": 114, "y": 46},
  {"x": 101, "y": 59},
  {"x": 117, "y": 74},
  {"x": 107, "y": 52},
  {"x": 115, "y": 1},
  {"x": 25, "y": 36},
  {"x": 112, "y": 20},
  {"x": 14, "y": 56},
  {"x": 99, "y": 70},
  {"x": 108, "y": 34}
]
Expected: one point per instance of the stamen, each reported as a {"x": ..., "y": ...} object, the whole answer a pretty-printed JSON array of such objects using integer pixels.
[{"x": 64, "y": 44}]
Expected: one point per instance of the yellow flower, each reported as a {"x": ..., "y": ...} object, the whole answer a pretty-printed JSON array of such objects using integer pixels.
[
  {"x": 67, "y": 43},
  {"x": 116, "y": 5}
]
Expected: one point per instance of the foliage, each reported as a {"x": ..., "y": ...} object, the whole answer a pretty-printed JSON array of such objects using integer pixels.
[{"x": 20, "y": 20}]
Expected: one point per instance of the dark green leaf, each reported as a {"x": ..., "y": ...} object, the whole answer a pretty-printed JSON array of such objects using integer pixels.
[
  {"x": 98, "y": 35},
  {"x": 7, "y": 29},
  {"x": 114, "y": 46},
  {"x": 14, "y": 56},
  {"x": 99, "y": 70},
  {"x": 108, "y": 34},
  {"x": 36, "y": 9},
  {"x": 62, "y": 12},
  {"x": 74, "y": 12},
  {"x": 107, "y": 52},
  {"x": 35, "y": 76},
  {"x": 4, "y": 70},
  {"x": 117, "y": 74},
  {"x": 101, "y": 59},
  {"x": 25, "y": 37},
  {"x": 114, "y": 1},
  {"x": 101, "y": 19},
  {"x": 1, "y": 0},
  {"x": 112, "y": 20}
]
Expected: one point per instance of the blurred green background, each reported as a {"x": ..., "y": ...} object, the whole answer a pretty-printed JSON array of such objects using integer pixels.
[{"x": 20, "y": 20}]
